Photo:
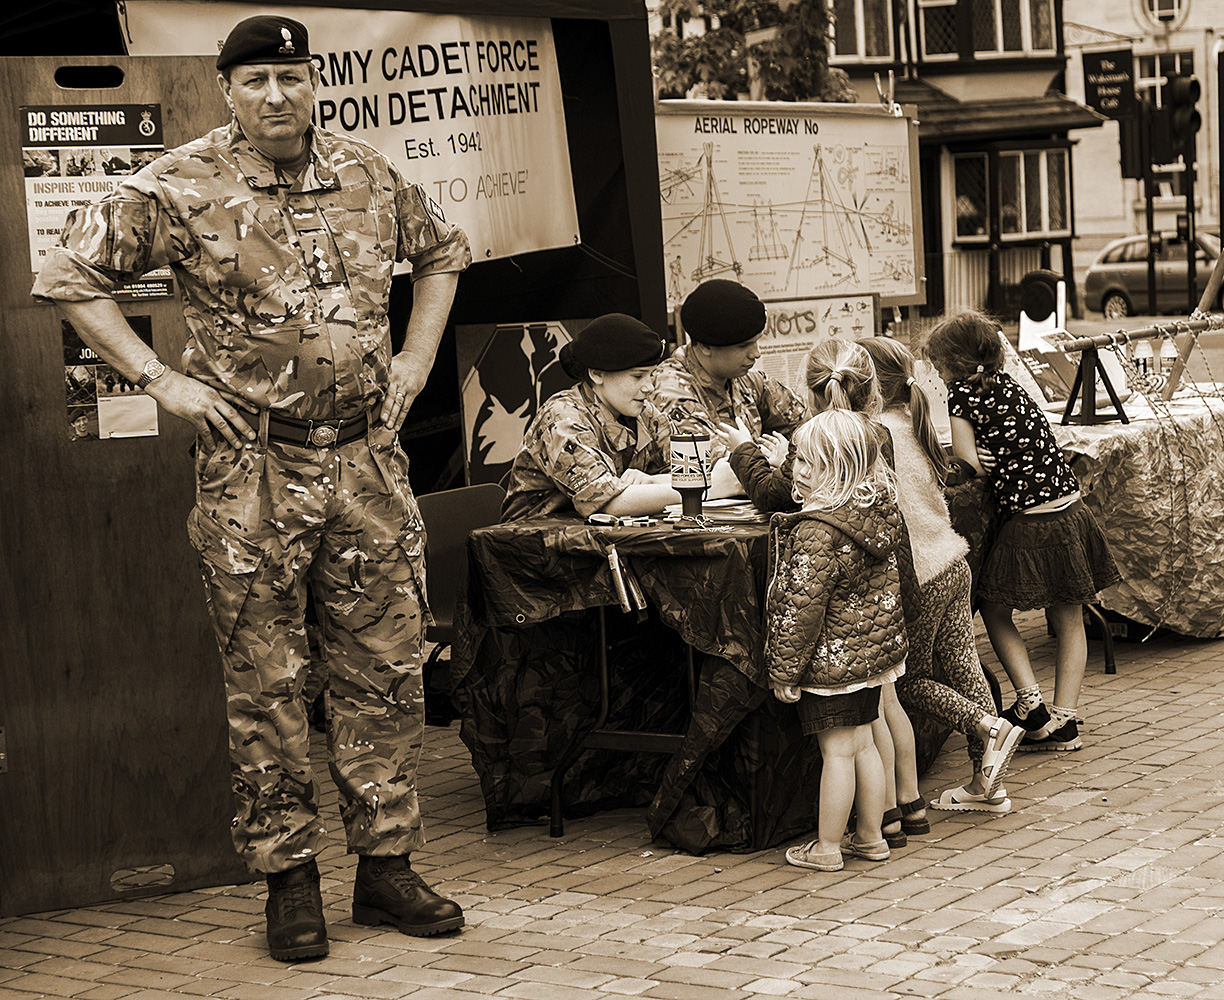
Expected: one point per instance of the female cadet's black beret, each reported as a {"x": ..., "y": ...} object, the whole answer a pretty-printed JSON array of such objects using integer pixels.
[
  {"x": 612, "y": 343},
  {"x": 265, "y": 38},
  {"x": 719, "y": 312}
]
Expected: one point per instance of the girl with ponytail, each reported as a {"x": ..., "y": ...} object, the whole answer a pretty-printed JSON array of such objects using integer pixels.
[
  {"x": 840, "y": 376},
  {"x": 941, "y": 632},
  {"x": 1050, "y": 552}
]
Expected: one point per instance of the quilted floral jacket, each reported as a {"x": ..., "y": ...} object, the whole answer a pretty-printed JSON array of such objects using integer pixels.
[{"x": 834, "y": 618}]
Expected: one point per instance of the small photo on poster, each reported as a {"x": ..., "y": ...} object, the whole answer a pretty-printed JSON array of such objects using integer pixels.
[
  {"x": 81, "y": 163},
  {"x": 82, "y": 423},
  {"x": 40, "y": 162},
  {"x": 101, "y": 403},
  {"x": 506, "y": 370}
]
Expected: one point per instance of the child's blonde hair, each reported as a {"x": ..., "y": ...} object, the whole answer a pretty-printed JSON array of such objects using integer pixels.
[
  {"x": 841, "y": 375},
  {"x": 838, "y": 461},
  {"x": 966, "y": 346},
  {"x": 894, "y": 368}
]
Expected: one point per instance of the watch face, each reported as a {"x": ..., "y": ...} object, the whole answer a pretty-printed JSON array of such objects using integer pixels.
[{"x": 152, "y": 369}]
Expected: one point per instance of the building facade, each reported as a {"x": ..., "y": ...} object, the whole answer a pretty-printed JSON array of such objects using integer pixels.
[
  {"x": 996, "y": 134},
  {"x": 1164, "y": 37}
]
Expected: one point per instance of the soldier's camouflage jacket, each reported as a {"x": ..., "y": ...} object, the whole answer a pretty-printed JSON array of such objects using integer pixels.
[
  {"x": 574, "y": 452},
  {"x": 694, "y": 402},
  {"x": 284, "y": 285}
]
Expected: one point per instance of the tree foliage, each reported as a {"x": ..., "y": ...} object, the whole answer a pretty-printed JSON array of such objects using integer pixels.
[{"x": 793, "y": 66}]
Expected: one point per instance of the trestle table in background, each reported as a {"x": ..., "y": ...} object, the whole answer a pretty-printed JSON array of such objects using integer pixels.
[{"x": 1156, "y": 486}]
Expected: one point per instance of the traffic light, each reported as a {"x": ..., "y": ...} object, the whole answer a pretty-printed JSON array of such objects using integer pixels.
[
  {"x": 1182, "y": 93},
  {"x": 1160, "y": 134}
]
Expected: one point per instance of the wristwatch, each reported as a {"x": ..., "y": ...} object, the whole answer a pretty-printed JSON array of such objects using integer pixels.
[{"x": 152, "y": 369}]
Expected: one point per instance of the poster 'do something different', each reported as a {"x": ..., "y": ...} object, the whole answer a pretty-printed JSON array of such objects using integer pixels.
[{"x": 469, "y": 107}]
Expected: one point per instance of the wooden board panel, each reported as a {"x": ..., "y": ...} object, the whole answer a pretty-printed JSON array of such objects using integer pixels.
[{"x": 111, "y": 697}]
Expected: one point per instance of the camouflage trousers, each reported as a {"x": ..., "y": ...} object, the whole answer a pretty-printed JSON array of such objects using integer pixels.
[{"x": 269, "y": 522}]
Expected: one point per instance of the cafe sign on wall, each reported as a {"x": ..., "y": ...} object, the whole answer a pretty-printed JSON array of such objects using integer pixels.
[{"x": 1109, "y": 83}]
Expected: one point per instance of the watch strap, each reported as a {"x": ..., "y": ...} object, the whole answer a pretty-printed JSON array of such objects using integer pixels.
[{"x": 153, "y": 369}]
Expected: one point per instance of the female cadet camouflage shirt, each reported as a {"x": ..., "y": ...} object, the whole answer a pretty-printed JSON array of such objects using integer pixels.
[
  {"x": 574, "y": 452},
  {"x": 285, "y": 282},
  {"x": 694, "y": 402}
]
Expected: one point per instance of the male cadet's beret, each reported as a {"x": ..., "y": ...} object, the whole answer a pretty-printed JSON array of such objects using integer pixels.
[
  {"x": 265, "y": 38},
  {"x": 613, "y": 343},
  {"x": 719, "y": 312}
]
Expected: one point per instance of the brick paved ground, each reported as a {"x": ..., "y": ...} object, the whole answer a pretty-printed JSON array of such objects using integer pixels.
[{"x": 1106, "y": 881}]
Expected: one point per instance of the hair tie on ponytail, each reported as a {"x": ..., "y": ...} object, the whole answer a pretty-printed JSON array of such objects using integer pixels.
[
  {"x": 835, "y": 377},
  {"x": 981, "y": 368},
  {"x": 910, "y": 381}
]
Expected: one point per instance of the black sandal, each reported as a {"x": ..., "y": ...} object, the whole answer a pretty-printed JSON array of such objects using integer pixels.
[
  {"x": 911, "y": 824},
  {"x": 897, "y": 839}
]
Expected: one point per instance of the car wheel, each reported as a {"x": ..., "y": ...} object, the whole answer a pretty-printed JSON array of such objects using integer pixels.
[{"x": 1115, "y": 306}]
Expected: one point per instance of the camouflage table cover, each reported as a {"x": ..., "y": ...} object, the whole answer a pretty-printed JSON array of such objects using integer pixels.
[
  {"x": 526, "y": 680},
  {"x": 1156, "y": 486}
]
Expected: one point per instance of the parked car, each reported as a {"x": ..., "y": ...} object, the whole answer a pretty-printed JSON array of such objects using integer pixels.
[{"x": 1116, "y": 283}]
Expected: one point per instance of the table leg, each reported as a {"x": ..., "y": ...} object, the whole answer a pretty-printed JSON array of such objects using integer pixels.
[
  {"x": 611, "y": 739},
  {"x": 1111, "y": 666}
]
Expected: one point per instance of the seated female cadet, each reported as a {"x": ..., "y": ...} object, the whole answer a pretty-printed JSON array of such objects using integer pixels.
[{"x": 600, "y": 446}]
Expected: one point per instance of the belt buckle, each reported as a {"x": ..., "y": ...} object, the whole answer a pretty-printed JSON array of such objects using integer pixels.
[{"x": 323, "y": 436}]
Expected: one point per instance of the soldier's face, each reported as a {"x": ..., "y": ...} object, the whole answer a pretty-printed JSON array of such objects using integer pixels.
[
  {"x": 272, "y": 102},
  {"x": 731, "y": 361},
  {"x": 624, "y": 392}
]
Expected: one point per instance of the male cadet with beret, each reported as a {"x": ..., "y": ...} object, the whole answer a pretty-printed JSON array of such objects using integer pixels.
[
  {"x": 283, "y": 238},
  {"x": 710, "y": 380}
]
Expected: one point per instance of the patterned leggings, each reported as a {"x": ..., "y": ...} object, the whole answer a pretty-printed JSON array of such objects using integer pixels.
[{"x": 943, "y": 676}]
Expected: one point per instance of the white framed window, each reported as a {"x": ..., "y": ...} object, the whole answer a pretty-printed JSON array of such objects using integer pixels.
[
  {"x": 1013, "y": 27},
  {"x": 937, "y": 26},
  {"x": 1163, "y": 12},
  {"x": 1154, "y": 70},
  {"x": 1034, "y": 193},
  {"x": 972, "y": 196},
  {"x": 862, "y": 30}
]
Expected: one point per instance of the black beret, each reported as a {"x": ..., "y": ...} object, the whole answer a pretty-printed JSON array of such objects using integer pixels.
[
  {"x": 612, "y": 343},
  {"x": 719, "y": 312},
  {"x": 265, "y": 38}
]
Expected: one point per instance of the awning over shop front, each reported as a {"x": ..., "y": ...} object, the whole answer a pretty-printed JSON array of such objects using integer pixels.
[{"x": 944, "y": 119}]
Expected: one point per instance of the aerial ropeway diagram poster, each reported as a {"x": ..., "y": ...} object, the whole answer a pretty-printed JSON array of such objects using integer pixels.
[{"x": 792, "y": 200}]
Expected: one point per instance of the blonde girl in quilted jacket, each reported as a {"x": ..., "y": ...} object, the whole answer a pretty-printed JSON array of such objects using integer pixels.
[
  {"x": 835, "y": 625},
  {"x": 941, "y": 634},
  {"x": 840, "y": 375}
]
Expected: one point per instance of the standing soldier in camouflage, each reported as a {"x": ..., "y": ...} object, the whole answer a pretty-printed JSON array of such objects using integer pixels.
[
  {"x": 283, "y": 238},
  {"x": 710, "y": 381}
]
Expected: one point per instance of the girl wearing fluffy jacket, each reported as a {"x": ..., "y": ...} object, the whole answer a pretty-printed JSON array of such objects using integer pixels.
[
  {"x": 941, "y": 635},
  {"x": 835, "y": 630}
]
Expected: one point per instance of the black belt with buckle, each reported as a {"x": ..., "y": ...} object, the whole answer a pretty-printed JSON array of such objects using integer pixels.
[{"x": 315, "y": 433}]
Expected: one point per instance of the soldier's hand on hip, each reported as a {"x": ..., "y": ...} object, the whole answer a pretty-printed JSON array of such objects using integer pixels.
[{"x": 204, "y": 407}]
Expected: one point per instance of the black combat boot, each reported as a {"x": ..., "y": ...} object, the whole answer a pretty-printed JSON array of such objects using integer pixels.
[
  {"x": 388, "y": 891},
  {"x": 295, "y": 914}
]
